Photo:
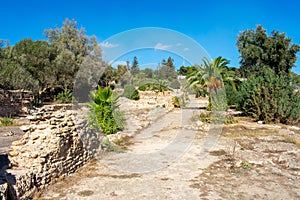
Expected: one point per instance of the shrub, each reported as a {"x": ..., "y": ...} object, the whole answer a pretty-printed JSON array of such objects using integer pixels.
[
  {"x": 131, "y": 93},
  {"x": 65, "y": 96},
  {"x": 270, "y": 98},
  {"x": 232, "y": 96},
  {"x": 7, "y": 121},
  {"x": 103, "y": 113},
  {"x": 154, "y": 86},
  {"x": 208, "y": 118},
  {"x": 176, "y": 102}
]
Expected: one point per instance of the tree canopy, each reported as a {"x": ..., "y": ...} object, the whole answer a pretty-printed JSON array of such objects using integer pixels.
[{"x": 259, "y": 51}]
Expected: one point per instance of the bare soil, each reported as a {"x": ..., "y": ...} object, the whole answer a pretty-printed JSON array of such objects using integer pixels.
[{"x": 248, "y": 161}]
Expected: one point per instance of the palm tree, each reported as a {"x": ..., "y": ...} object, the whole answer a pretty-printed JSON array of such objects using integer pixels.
[{"x": 212, "y": 76}]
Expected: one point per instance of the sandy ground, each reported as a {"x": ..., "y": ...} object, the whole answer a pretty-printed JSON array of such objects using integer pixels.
[
  {"x": 173, "y": 159},
  {"x": 247, "y": 161}
]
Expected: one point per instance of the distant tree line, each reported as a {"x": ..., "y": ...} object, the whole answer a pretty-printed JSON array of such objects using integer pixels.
[{"x": 47, "y": 66}]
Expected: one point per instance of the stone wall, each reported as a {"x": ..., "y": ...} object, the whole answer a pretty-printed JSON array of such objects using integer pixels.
[
  {"x": 50, "y": 148},
  {"x": 150, "y": 99},
  {"x": 57, "y": 142},
  {"x": 13, "y": 102}
]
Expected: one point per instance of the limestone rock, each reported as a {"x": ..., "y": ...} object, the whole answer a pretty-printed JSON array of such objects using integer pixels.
[{"x": 13, "y": 153}]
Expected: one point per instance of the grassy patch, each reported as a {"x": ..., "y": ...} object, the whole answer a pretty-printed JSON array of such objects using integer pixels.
[
  {"x": 6, "y": 121},
  {"x": 208, "y": 118}
]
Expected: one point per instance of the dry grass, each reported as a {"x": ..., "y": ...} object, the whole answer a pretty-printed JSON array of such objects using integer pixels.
[
  {"x": 292, "y": 140},
  {"x": 242, "y": 132}
]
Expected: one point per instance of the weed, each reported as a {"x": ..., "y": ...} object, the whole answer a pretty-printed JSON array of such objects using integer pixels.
[
  {"x": 246, "y": 165},
  {"x": 207, "y": 118},
  {"x": 7, "y": 121},
  {"x": 65, "y": 96}
]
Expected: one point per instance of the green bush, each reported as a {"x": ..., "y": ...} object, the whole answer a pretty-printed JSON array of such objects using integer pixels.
[
  {"x": 208, "y": 118},
  {"x": 131, "y": 93},
  {"x": 270, "y": 98},
  {"x": 232, "y": 95},
  {"x": 103, "y": 113},
  {"x": 7, "y": 121},
  {"x": 154, "y": 86},
  {"x": 176, "y": 102},
  {"x": 65, "y": 96}
]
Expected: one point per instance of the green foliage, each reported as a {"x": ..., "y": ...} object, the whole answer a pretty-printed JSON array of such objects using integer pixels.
[
  {"x": 208, "y": 118},
  {"x": 103, "y": 113},
  {"x": 159, "y": 86},
  {"x": 176, "y": 102},
  {"x": 296, "y": 78},
  {"x": 167, "y": 70},
  {"x": 65, "y": 96},
  {"x": 186, "y": 70},
  {"x": 7, "y": 121},
  {"x": 260, "y": 51},
  {"x": 211, "y": 76},
  {"x": 270, "y": 98},
  {"x": 13, "y": 75},
  {"x": 135, "y": 66},
  {"x": 49, "y": 65},
  {"x": 148, "y": 72},
  {"x": 131, "y": 93},
  {"x": 232, "y": 95}
]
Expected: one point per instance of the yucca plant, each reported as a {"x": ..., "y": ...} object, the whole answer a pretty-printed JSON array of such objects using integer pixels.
[
  {"x": 103, "y": 113},
  {"x": 65, "y": 96},
  {"x": 155, "y": 85}
]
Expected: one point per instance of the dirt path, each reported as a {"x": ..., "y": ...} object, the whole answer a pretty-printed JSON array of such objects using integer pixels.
[
  {"x": 168, "y": 161},
  {"x": 160, "y": 165}
]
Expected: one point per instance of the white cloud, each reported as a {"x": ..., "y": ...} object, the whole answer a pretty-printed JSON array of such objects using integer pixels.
[
  {"x": 161, "y": 46},
  {"x": 178, "y": 44},
  {"x": 108, "y": 45},
  {"x": 186, "y": 49}
]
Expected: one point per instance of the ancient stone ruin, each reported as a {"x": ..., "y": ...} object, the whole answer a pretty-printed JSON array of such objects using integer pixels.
[
  {"x": 58, "y": 141},
  {"x": 13, "y": 102}
]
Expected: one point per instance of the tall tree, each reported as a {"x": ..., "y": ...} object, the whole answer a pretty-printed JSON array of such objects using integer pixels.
[
  {"x": 212, "y": 75},
  {"x": 12, "y": 75},
  {"x": 167, "y": 70},
  {"x": 72, "y": 45},
  {"x": 36, "y": 58},
  {"x": 259, "y": 51},
  {"x": 135, "y": 66}
]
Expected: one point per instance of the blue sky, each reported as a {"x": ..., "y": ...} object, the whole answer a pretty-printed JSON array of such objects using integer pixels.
[{"x": 213, "y": 24}]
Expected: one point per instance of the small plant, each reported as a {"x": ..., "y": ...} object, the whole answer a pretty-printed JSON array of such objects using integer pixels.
[
  {"x": 154, "y": 86},
  {"x": 65, "y": 96},
  {"x": 131, "y": 93},
  {"x": 7, "y": 121},
  {"x": 246, "y": 165},
  {"x": 207, "y": 118},
  {"x": 176, "y": 102},
  {"x": 103, "y": 113}
]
